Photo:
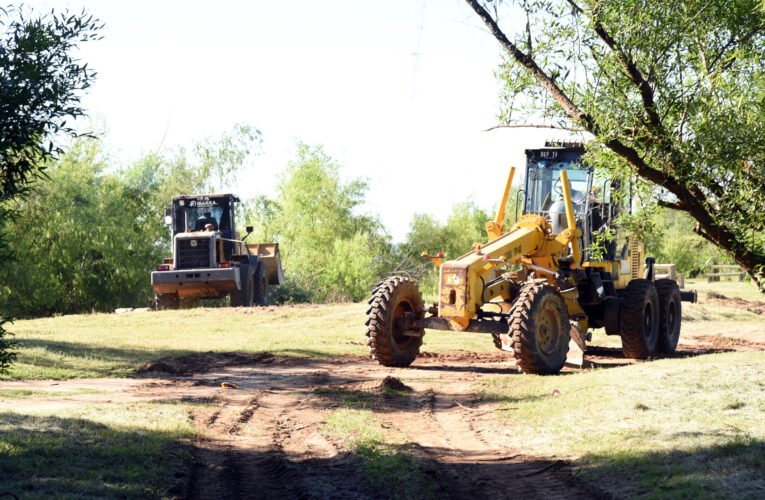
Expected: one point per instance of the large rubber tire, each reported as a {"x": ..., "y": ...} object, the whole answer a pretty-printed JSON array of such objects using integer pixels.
[
  {"x": 539, "y": 329},
  {"x": 391, "y": 300},
  {"x": 260, "y": 286},
  {"x": 670, "y": 315},
  {"x": 244, "y": 296},
  {"x": 165, "y": 301},
  {"x": 639, "y": 319}
]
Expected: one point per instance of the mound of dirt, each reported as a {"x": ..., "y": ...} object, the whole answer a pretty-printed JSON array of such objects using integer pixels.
[
  {"x": 755, "y": 306},
  {"x": 394, "y": 384},
  {"x": 202, "y": 362},
  {"x": 467, "y": 356}
]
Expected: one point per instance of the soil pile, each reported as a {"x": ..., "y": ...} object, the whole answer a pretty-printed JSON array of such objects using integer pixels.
[{"x": 202, "y": 362}]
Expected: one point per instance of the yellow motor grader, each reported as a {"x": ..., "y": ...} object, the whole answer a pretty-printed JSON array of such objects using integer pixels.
[{"x": 533, "y": 288}]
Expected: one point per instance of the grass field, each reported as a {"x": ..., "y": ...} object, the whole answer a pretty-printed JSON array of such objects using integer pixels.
[
  {"x": 679, "y": 428},
  {"x": 655, "y": 422},
  {"x": 114, "y": 345},
  {"x": 95, "y": 451}
]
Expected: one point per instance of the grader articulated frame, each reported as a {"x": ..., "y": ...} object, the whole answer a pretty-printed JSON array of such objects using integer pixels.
[{"x": 546, "y": 306}]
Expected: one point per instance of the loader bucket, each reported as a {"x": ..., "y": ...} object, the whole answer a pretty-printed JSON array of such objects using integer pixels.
[{"x": 268, "y": 253}]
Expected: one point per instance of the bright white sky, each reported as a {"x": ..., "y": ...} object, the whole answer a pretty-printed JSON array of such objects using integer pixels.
[{"x": 397, "y": 91}]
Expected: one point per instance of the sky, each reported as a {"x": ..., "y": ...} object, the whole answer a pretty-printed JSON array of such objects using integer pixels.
[{"x": 398, "y": 92}]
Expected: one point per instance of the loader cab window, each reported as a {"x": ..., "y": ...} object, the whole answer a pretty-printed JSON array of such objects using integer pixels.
[
  {"x": 201, "y": 216},
  {"x": 191, "y": 215}
]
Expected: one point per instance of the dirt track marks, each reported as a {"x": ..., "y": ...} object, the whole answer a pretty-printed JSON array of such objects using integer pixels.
[
  {"x": 457, "y": 449},
  {"x": 265, "y": 438}
]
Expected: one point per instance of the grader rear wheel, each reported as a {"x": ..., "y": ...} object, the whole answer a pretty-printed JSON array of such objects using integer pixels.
[
  {"x": 394, "y": 300},
  {"x": 639, "y": 319},
  {"x": 670, "y": 315},
  {"x": 540, "y": 329}
]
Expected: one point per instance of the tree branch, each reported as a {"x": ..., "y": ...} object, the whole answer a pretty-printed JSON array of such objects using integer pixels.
[
  {"x": 672, "y": 205},
  {"x": 630, "y": 154},
  {"x": 535, "y": 125},
  {"x": 633, "y": 72},
  {"x": 527, "y": 62}
]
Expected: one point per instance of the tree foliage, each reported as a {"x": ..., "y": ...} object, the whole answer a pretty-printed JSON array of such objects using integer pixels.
[
  {"x": 329, "y": 250},
  {"x": 673, "y": 92},
  {"x": 465, "y": 225},
  {"x": 94, "y": 231},
  {"x": 41, "y": 82},
  {"x": 676, "y": 242}
]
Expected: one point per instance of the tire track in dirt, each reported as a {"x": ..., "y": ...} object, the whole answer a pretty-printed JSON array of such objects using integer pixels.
[
  {"x": 233, "y": 463},
  {"x": 463, "y": 462},
  {"x": 268, "y": 445},
  {"x": 266, "y": 439}
]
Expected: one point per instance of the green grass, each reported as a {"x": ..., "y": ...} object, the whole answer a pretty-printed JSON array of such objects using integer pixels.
[
  {"x": 730, "y": 289},
  {"x": 685, "y": 425},
  {"x": 115, "y": 451},
  {"x": 37, "y": 393},
  {"x": 387, "y": 462},
  {"x": 114, "y": 345}
]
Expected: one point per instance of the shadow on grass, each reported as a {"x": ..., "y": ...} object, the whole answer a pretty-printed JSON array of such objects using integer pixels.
[
  {"x": 79, "y": 351},
  {"x": 77, "y": 359},
  {"x": 730, "y": 470},
  {"x": 47, "y": 457},
  {"x": 52, "y": 457}
]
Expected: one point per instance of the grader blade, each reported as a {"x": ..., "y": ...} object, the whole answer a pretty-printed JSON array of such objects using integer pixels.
[{"x": 576, "y": 347}]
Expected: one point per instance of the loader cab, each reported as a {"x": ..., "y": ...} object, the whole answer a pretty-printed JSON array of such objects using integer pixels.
[
  {"x": 203, "y": 213},
  {"x": 193, "y": 213},
  {"x": 591, "y": 195}
]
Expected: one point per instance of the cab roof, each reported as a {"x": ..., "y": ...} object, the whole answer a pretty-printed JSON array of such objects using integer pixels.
[{"x": 208, "y": 196}]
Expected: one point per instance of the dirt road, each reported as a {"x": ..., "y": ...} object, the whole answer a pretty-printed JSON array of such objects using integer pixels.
[{"x": 266, "y": 437}]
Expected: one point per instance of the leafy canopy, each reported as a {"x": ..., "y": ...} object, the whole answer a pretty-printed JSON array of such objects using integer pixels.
[
  {"x": 330, "y": 250},
  {"x": 673, "y": 92},
  {"x": 40, "y": 87}
]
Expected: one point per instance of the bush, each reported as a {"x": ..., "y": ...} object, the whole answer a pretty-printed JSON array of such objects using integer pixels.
[{"x": 290, "y": 292}]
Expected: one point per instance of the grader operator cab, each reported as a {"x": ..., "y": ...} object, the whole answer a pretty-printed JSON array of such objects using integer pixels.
[
  {"x": 209, "y": 258},
  {"x": 533, "y": 288}
]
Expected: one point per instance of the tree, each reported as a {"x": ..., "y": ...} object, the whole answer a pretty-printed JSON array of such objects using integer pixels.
[
  {"x": 673, "y": 92},
  {"x": 95, "y": 231},
  {"x": 40, "y": 87},
  {"x": 90, "y": 235},
  {"x": 329, "y": 250}
]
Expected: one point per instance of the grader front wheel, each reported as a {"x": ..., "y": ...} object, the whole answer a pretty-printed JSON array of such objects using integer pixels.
[
  {"x": 539, "y": 329},
  {"x": 395, "y": 302}
]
